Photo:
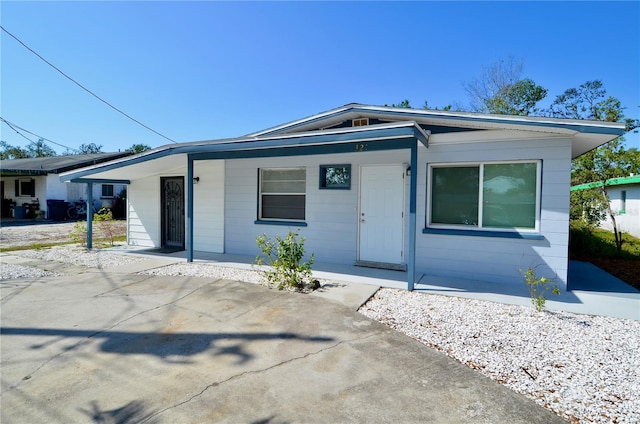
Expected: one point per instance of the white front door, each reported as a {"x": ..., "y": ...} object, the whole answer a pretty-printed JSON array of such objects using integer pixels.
[{"x": 381, "y": 213}]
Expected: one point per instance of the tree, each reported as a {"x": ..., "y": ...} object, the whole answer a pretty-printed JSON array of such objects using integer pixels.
[
  {"x": 86, "y": 149},
  {"x": 611, "y": 160},
  {"x": 502, "y": 90},
  {"x": 519, "y": 98},
  {"x": 138, "y": 148},
  {"x": 403, "y": 104},
  {"x": 12, "y": 152},
  {"x": 39, "y": 149}
]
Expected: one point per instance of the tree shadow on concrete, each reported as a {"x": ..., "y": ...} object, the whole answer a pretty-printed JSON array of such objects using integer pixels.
[
  {"x": 170, "y": 347},
  {"x": 132, "y": 412}
]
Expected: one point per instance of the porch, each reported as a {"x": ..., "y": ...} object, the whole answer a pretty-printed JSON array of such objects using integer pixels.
[{"x": 592, "y": 292}]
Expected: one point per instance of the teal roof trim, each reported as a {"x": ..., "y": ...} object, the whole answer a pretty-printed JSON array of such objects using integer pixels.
[
  {"x": 405, "y": 130},
  {"x": 634, "y": 179}
]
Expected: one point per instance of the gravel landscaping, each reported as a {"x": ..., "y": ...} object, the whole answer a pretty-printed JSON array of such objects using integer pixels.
[{"x": 584, "y": 368}]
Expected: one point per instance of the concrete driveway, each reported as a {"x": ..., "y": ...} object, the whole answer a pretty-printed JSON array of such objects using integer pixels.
[{"x": 110, "y": 347}]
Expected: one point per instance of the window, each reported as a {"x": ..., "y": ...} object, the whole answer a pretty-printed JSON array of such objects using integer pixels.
[
  {"x": 337, "y": 177},
  {"x": 107, "y": 190},
  {"x": 489, "y": 196},
  {"x": 282, "y": 194},
  {"x": 623, "y": 202},
  {"x": 25, "y": 188},
  {"x": 360, "y": 122}
]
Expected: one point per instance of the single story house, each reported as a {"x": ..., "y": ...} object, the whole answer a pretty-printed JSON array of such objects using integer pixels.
[
  {"x": 624, "y": 195},
  {"x": 33, "y": 181},
  {"x": 454, "y": 194}
]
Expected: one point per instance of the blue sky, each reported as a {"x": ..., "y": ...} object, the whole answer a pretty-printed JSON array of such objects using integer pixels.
[{"x": 207, "y": 70}]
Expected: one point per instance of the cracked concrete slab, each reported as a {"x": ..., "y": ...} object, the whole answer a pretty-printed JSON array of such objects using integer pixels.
[{"x": 112, "y": 347}]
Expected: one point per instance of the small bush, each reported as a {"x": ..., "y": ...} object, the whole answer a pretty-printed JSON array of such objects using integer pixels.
[
  {"x": 106, "y": 224},
  {"x": 79, "y": 233},
  {"x": 538, "y": 287},
  {"x": 284, "y": 256}
]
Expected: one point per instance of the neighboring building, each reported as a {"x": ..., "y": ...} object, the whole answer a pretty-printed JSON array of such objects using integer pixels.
[
  {"x": 442, "y": 193},
  {"x": 624, "y": 195},
  {"x": 33, "y": 181}
]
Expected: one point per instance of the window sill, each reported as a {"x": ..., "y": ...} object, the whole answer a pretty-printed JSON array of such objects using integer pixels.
[
  {"x": 286, "y": 223},
  {"x": 483, "y": 233}
]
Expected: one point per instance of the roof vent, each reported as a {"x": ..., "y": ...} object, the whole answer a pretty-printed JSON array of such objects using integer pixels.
[{"x": 360, "y": 122}]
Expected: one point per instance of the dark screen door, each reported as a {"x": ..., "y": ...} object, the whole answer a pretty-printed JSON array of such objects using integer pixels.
[{"x": 173, "y": 211}]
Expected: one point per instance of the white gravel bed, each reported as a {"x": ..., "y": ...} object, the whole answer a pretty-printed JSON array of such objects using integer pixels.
[
  {"x": 13, "y": 271},
  {"x": 584, "y": 368},
  {"x": 79, "y": 256}
]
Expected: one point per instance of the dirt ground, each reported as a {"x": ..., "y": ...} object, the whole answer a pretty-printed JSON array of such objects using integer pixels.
[{"x": 32, "y": 232}]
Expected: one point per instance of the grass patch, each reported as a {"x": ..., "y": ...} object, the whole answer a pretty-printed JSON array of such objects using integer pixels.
[
  {"x": 599, "y": 243},
  {"x": 598, "y": 246},
  {"x": 98, "y": 242}
]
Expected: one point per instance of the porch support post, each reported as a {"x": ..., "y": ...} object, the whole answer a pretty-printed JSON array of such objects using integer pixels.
[
  {"x": 189, "y": 223},
  {"x": 89, "y": 215},
  {"x": 411, "y": 260}
]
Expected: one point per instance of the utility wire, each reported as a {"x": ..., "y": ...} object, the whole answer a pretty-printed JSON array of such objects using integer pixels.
[
  {"x": 17, "y": 127},
  {"x": 83, "y": 87}
]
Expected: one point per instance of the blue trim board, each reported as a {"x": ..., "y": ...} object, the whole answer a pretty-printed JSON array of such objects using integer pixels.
[
  {"x": 483, "y": 233},
  {"x": 411, "y": 260},
  {"x": 100, "y": 181},
  {"x": 189, "y": 218},
  {"x": 366, "y": 146},
  {"x": 282, "y": 223},
  {"x": 89, "y": 215}
]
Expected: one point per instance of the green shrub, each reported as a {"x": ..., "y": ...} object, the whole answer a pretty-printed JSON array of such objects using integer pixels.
[
  {"x": 106, "y": 224},
  {"x": 538, "y": 287},
  {"x": 284, "y": 259},
  {"x": 79, "y": 233}
]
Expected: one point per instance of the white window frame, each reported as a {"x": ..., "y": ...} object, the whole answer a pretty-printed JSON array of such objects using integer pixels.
[
  {"x": 26, "y": 180},
  {"x": 261, "y": 193},
  {"x": 479, "y": 227},
  {"x": 113, "y": 191}
]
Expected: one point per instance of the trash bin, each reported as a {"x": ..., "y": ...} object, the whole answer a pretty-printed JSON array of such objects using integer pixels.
[
  {"x": 19, "y": 212},
  {"x": 57, "y": 209}
]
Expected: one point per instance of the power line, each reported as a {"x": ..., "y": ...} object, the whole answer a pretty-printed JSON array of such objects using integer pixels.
[
  {"x": 83, "y": 87},
  {"x": 16, "y": 128}
]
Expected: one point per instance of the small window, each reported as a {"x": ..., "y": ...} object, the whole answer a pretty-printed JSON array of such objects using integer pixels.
[
  {"x": 282, "y": 194},
  {"x": 107, "y": 190},
  {"x": 336, "y": 177},
  {"x": 26, "y": 188},
  {"x": 488, "y": 196},
  {"x": 360, "y": 122},
  {"x": 623, "y": 202}
]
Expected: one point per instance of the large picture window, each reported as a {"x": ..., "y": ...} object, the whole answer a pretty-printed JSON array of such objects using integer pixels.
[
  {"x": 504, "y": 196},
  {"x": 282, "y": 194}
]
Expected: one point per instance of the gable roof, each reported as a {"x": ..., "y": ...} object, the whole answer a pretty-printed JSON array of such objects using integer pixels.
[
  {"x": 587, "y": 134},
  {"x": 633, "y": 179},
  {"x": 55, "y": 164},
  {"x": 332, "y": 128}
]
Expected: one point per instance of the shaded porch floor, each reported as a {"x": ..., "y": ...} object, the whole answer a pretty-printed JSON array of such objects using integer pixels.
[{"x": 591, "y": 290}]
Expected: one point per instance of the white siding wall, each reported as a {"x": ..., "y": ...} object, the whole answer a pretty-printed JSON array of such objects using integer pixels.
[
  {"x": 56, "y": 189},
  {"x": 629, "y": 222},
  {"x": 499, "y": 259},
  {"x": 208, "y": 206},
  {"x": 331, "y": 215},
  {"x": 143, "y": 199}
]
